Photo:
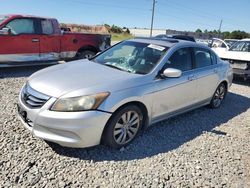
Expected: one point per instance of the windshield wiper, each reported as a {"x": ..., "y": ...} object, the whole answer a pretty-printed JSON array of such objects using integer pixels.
[{"x": 113, "y": 66}]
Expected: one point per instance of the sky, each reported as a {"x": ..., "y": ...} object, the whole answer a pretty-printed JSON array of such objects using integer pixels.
[{"x": 187, "y": 15}]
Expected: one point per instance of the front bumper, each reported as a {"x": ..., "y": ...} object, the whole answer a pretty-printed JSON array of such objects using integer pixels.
[
  {"x": 70, "y": 129},
  {"x": 241, "y": 71}
]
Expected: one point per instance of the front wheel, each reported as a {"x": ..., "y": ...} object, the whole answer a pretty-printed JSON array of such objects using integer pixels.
[
  {"x": 86, "y": 54},
  {"x": 123, "y": 127},
  {"x": 218, "y": 96}
]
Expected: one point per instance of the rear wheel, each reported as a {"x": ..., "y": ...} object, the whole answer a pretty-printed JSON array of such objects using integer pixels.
[
  {"x": 123, "y": 127},
  {"x": 218, "y": 96},
  {"x": 86, "y": 54}
]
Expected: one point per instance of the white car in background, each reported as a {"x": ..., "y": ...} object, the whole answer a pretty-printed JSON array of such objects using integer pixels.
[
  {"x": 219, "y": 45},
  {"x": 238, "y": 56}
]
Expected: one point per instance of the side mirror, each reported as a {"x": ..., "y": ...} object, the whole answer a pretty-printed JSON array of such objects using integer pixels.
[
  {"x": 171, "y": 73},
  {"x": 5, "y": 31}
]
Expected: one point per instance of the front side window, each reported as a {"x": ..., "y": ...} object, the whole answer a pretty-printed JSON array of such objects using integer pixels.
[
  {"x": 243, "y": 46},
  {"x": 181, "y": 59},
  {"x": 202, "y": 58},
  {"x": 47, "y": 27},
  {"x": 21, "y": 26},
  {"x": 133, "y": 57}
]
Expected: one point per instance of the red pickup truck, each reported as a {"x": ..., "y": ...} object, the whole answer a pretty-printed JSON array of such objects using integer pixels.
[{"x": 36, "y": 40}]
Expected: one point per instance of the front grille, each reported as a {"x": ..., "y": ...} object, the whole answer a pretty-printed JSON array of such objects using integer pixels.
[{"x": 33, "y": 98}]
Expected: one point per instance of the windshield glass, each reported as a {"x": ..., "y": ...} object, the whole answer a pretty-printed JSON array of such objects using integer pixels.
[
  {"x": 3, "y": 18},
  {"x": 133, "y": 57},
  {"x": 243, "y": 46},
  {"x": 230, "y": 42}
]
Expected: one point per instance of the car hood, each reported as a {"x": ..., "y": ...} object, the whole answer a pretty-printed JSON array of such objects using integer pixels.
[
  {"x": 82, "y": 75},
  {"x": 234, "y": 55}
]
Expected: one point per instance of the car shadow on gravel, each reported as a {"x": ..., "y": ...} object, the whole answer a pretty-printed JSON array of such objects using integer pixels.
[
  {"x": 168, "y": 135},
  {"x": 16, "y": 72}
]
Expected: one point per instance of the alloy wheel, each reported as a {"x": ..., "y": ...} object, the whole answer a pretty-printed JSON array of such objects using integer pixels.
[
  {"x": 126, "y": 127},
  {"x": 219, "y": 96}
]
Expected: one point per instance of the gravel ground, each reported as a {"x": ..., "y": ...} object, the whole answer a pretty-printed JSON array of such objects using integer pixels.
[{"x": 202, "y": 148}]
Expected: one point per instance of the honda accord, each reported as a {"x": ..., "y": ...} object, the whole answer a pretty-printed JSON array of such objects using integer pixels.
[{"x": 110, "y": 98}]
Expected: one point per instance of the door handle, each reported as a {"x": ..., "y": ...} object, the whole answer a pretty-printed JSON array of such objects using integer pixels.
[
  {"x": 191, "y": 77},
  {"x": 35, "y": 40}
]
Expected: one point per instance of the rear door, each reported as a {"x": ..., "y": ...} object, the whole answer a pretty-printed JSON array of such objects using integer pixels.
[
  {"x": 49, "y": 41},
  {"x": 206, "y": 73},
  {"x": 23, "y": 42}
]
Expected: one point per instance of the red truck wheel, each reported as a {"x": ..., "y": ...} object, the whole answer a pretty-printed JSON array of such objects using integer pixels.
[{"x": 86, "y": 54}]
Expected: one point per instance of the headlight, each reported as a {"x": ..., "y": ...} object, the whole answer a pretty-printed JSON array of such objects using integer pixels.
[{"x": 76, "y": 104}]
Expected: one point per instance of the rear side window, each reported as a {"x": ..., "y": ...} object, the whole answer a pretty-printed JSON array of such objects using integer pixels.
[
  {"x": 21, "y": 26},
  {"x": 181, "y": 59},
  {"x": 202, "y": 58},
  {"x": 47, "y": 27}
]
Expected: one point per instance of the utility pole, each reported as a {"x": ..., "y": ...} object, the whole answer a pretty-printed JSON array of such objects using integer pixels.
[
  {"x": 152, "y": 20},
  {"x": 220, "y": 27}
]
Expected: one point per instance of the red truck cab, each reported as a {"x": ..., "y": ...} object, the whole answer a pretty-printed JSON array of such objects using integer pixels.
[{"x": 30, "y": 39}]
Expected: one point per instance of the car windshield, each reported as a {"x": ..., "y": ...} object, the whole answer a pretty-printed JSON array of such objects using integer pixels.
[
  {"x": 133, "y": 57},
  {"x": 3, "y": 18},
  {"x": 243, "y": 46},
  {"x": 230, "y": 42}
]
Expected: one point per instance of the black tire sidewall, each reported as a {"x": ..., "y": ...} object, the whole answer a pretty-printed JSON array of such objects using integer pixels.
[
  {"x": 108, "y": 138},
  {"x": 212, "y": 100},
  {"x": 81, "y": 55}
]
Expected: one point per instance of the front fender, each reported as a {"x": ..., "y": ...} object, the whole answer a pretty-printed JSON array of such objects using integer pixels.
[{"x": 118, "y": 99}]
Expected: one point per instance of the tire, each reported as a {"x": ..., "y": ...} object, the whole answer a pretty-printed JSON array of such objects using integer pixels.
[
  {"x": 86, "y": 54},
  {"x": 123, "y": 127},
  {"x": 219, "y": 96}
]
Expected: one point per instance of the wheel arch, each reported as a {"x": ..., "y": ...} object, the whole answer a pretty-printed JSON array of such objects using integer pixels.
[
  {"x": 87, "y": 47},
  {"x": 225, "y": 82},
  {"x": 139, "y": 104}
]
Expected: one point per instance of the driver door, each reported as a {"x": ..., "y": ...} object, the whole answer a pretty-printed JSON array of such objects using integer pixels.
[
  {"x": 219, "y": 46},
  {"x": 175, "y": 94},
  {"x": 22, "y": 44}
]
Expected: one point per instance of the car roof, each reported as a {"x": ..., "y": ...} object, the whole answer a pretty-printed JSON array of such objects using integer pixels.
[
  {"x": 231, "y": 39},
  {"x": 246, "y": 39},
  {"x": 167, "y": 42},
  {"x": 161, "y": 42},
  {"x": 176, "y": 36},
  {"x": 24, "y": 16}
]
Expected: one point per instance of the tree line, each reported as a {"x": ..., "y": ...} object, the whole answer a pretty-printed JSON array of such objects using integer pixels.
[{"x": 237, "y": 34}]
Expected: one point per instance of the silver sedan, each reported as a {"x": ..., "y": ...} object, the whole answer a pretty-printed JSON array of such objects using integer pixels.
[{"x": 111, "y": 97}]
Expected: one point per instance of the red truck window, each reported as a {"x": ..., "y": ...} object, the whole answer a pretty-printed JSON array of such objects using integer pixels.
[
  {"x": 47, "y": 27},
  {"x": 19, "y": 26}
]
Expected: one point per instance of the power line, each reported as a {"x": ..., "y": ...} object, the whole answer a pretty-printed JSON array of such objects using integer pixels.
[
  {"x": 104, "y": 5},
  {"x": 204, "y": 14},
  {"x": 183, "y": 19}
]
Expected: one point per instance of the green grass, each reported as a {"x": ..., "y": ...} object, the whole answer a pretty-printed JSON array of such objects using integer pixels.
[{"x": 120, "y": 37}]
